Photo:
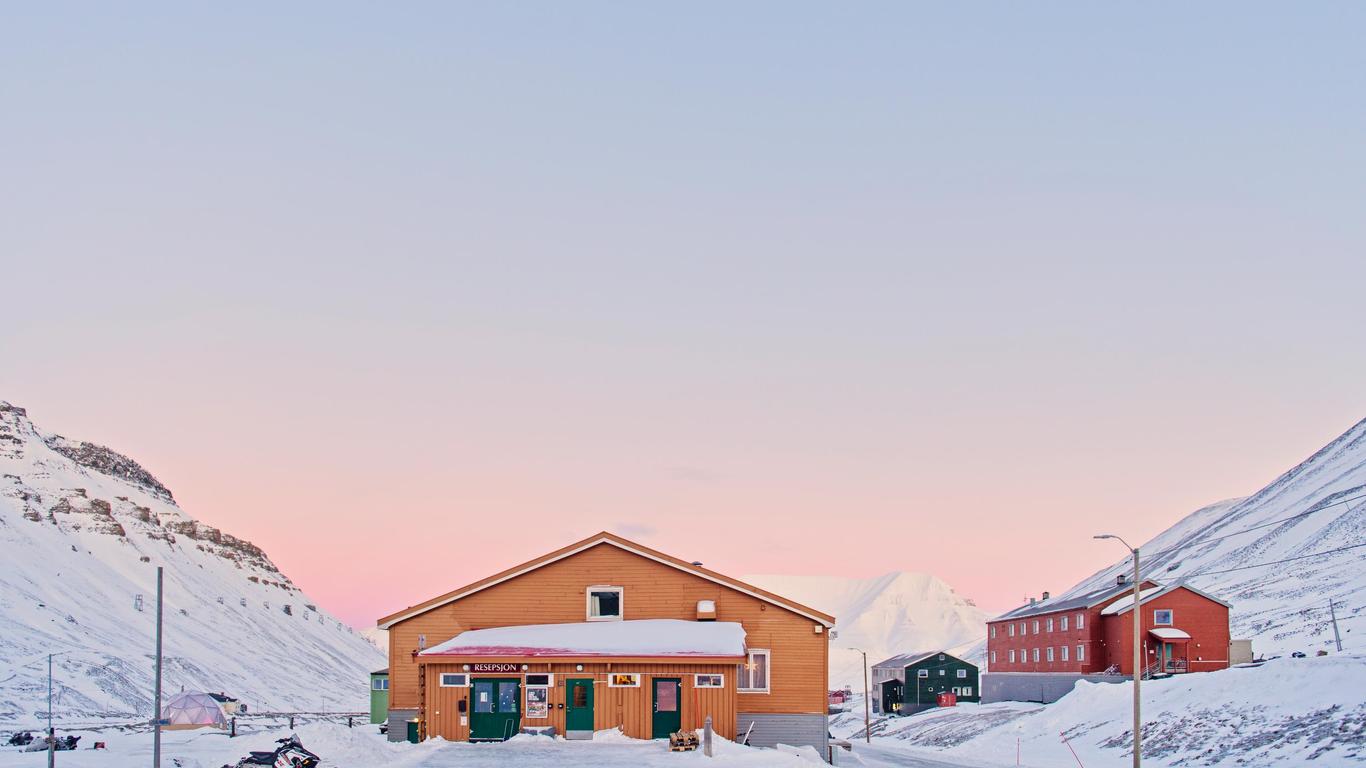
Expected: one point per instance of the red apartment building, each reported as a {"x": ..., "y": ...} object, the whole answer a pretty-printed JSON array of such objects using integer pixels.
[{"x": 1183, "y": 630}]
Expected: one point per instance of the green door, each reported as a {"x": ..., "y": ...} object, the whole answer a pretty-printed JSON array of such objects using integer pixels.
[
  {"x": 668, "y": 717},
  {"x": 578, "y": 716},
  {"x": 496, "y": 711}
]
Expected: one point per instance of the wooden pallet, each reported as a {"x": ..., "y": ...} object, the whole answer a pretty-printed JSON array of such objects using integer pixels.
[{"x": 683, "y": 741}]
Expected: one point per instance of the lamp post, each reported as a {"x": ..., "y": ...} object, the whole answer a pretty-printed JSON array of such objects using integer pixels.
[
  {"x": 1138, "y": 650},
  {"x": 867, "y": 700}
]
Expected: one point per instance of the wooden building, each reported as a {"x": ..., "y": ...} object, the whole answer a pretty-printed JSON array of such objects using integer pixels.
[
  {"x": 1183, "y": 630},
  {"x": 379, "y": 696},
  {"x": 606, "y": 633}
]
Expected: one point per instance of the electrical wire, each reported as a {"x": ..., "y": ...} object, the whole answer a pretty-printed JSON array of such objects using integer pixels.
[{"x": 1277, "y": 562}]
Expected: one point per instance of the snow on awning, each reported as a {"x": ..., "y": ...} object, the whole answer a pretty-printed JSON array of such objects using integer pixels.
[
  {"x": 1125, "y": 603},
  {"x": 646, "y": 637},
  {"x": 1169, "y": 633}
]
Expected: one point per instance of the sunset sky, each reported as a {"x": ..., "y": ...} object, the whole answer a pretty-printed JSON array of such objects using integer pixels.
[{"x": 407, "y": 295}]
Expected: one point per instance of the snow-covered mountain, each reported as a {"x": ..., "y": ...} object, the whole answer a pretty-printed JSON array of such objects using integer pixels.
[
  {"x": 885, "y": 616},
  {"x": 1317, "y": 507},
  {"x": 82, "y": 530}
]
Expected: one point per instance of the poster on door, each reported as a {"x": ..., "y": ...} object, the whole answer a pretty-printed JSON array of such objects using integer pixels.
[{"x": 537, "y": 702}]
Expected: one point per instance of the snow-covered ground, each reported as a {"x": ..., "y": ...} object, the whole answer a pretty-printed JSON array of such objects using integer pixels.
[
  {"x": 1287, "y": 712},
  {"x": 341, "y": 747}
]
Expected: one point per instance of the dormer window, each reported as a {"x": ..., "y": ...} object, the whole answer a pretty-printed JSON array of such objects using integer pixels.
[{"x": 605, "y": 603}]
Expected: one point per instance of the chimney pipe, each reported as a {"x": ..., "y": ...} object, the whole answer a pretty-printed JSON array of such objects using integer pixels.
[
  {"x": 1031, "y": 601},
  {"x": 1119, "y": 580},
  {"x": 1045, "y": 595}
]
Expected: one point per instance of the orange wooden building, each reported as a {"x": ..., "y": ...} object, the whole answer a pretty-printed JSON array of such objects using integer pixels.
[{"x": 606, "y": 633}]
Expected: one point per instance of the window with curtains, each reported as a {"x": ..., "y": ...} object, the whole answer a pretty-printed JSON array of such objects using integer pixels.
[
  {"x": 753, "y": 675},
  {"x": 605, "y": 603}
]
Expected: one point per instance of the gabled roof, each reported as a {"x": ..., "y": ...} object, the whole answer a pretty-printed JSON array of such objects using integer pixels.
[
  {"x": 1087, "y": 600},
  {"x": 902, "y": 659},
  {"x": 1148, "y": 595},
  {"x": 609, "y": 539}
]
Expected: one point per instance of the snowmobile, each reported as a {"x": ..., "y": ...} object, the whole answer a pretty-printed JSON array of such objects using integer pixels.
[
  {"x": 59, "y": 744},
  {"x": 20, "y": 739},
  {"x": 290, "y": 754}
]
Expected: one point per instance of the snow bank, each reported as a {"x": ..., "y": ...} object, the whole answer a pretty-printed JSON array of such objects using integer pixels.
[{"x": 648, "y": 637}]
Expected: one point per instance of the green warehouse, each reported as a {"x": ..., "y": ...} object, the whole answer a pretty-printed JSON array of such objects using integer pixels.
[
  {"x": 379, "y": 696},
  {"x": 927, "y": 677}
]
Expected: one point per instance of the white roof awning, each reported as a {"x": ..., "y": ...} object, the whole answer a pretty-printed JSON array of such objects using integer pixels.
[
  {"x": 1169, "y": 633},
  {"x": 671, "y": 638}
]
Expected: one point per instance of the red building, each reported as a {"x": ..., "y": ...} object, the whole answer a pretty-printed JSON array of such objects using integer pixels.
[{"x": 1183, "y": 630}]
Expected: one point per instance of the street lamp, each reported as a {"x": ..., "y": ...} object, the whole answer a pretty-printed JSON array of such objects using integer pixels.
[
  {"x": 867, "y": 700},
  {"x": 1138, "y": 650}
]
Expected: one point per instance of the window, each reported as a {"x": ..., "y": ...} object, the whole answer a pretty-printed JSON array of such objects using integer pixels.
[
  {"x": 1036, "y": 626},
  {"x": 962, "y": 674},
  {"x": 542, "y": 680},
  {"x": 623, "y": 680},
  {"x": 379, "y": 684},
  {"x": 1012, "y": 630},
  {"x": 941, "y": 673},
  {"x": 1062, "y": 623},
  {"x": 967, "y": 690},
  {"x": 922, "y": 673},
  {"x": 1050, "y": 624},
  {"x": 993, "y": 657},
  {"x": 993, "y": 631},
  {"x": 1012, "y": 657},
  {"x": 708, "y": 681},
  {"x": 455, "y": 680},
  {"x": 752, "y": 676},
  {"x": 1081, "y": 621},
  {"x": 1162, "y": 616},
  {"x": 604, "y": 603},
  {"x": 1036, "y": 655},
  {"x": 1081, "y": 653},
  {"x": 1050, "y": 654},
  {"x": 1063, "y": 651},
  {"x": 1022, "y": 629}
]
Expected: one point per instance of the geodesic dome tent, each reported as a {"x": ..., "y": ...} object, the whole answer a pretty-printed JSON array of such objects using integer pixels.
[{"x": 189, "y": 709}]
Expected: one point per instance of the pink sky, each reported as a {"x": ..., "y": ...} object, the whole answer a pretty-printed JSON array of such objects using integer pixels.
[{"x": 407, "y": 298}]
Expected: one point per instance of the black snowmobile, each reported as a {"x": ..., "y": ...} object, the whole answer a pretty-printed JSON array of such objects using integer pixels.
[
  {"x": 20, "y": 739},
  {"x": 290, "y": 754}
]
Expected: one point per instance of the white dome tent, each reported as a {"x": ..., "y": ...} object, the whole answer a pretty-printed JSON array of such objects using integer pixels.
[{"x": 190, "y": 709}]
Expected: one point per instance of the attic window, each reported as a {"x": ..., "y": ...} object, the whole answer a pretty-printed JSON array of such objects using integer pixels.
[{"x": 605, "y": 603}]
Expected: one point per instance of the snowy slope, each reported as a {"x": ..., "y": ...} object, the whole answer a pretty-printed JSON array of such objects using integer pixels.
[
  {"x": 82, "y": 530},
  {"x": 1288, "y": 712},
  {"x": 885, "y": 616},
  {"x": 1280, "y": 607}
]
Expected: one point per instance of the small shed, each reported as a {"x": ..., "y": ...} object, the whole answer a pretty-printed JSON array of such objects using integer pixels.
[
  {"x": 935, "y": 673},
  {"x": 228, "y": 704},
  {"x": 379, "y": 696}
]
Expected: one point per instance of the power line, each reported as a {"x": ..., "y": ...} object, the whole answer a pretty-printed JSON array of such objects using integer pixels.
[
  {"x": 1277, "y": 562},
  {"x": 1256, "y": 527}
]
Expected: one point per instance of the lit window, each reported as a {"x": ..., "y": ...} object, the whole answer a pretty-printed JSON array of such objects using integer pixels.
[
  {"x": 1062, "y": 623},
  {"x": 1081, "y": 653},
  {"x": 1050, "y": 653},
  {"x": 623, "y": 680},
  {"x": 604, "y": 603},
  {"x": 1050, "y": 624},
  {"x": 962, "y": 674},
  {"x": 752, "y": 676},
  {"x": 1063, "y": 650},
  {"x": 1162, "y": 616},
  {"x": 454, "y": 680},
  {"x": 708, "y": 681}
]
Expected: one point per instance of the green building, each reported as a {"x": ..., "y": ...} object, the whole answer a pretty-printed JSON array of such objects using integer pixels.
[
  {"x": 379, "y": 696},
  {"x": 937, "y": 673}
]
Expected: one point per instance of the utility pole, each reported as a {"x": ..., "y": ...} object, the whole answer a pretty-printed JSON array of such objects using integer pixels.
[
  {"x": 51, "y": 735},
  {"x": 867, "y": 700},
  {"x": 1334, "y": 616},
  {"x": 1138, "y": 650},
  {"x": 156, "y": 714}
]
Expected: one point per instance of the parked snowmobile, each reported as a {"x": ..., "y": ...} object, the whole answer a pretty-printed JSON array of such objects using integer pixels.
[
  {"x": 290, "y": 754},
  {"x": 20, "y": 739},
  {"x": 59, "y": 744}
]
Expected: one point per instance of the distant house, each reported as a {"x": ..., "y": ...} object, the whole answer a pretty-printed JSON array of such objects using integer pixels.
[
  {"x": 1182, "y": 630},
  {"x": 379, "y": 696},
  {"x": 926, "y": 678},
  {"x": 892, "y": 669},
  {"x": 228, "y": 704}
]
